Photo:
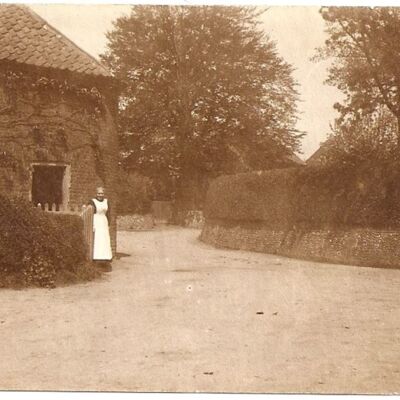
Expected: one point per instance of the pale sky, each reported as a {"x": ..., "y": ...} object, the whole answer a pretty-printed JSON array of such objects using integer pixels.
[{"x": 296, "y": 30}]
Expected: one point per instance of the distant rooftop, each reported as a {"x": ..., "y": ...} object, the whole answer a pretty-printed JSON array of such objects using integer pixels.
[
  {"x": 296, "y": 159},
  {"x": 319, "y": 155},
  {"x": 27, "y": 38}
]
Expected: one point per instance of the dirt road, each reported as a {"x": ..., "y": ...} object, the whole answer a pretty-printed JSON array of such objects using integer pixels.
[{"x": 178, "y": 315}]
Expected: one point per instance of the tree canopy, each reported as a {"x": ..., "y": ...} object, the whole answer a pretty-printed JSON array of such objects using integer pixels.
[
  {"x": 370, "y": 139},
  {"x": 364, "y": 43},
  {"x": 201, "y": 85}
]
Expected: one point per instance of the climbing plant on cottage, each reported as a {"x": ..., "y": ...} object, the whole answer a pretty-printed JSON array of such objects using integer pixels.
[
  {"x": 18, "y": 82},
  {"x": 57, "y": 107},
  {"x": 39, "y": 91},
  {"x": 48, "y": 137}
]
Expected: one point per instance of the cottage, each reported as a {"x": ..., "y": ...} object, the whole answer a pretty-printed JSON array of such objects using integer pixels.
[{"x": 58, "y": 137}]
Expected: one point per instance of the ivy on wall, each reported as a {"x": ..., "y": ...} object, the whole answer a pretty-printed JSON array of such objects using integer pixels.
[
  {"x": 18, "y": 82},
  {"x": 8, "y": 160},
  {"x": 47, "y": 138}
]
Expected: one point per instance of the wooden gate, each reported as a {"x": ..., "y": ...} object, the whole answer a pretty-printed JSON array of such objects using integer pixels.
[
  {"x": 162, "y": 211},
  {"x": 87, "y": 217}
]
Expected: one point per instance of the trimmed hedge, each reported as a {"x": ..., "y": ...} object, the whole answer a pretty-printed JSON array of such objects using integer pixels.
[
  {"x": 38, "y": 248},
  {"x": 310, "y": 197},
  {"x": 256, "y": 196}
]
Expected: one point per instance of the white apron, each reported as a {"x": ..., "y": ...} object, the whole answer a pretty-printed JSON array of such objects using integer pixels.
[{"x": 101, "y": 242}]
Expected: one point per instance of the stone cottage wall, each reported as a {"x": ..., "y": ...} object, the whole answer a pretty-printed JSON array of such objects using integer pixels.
[
  {"x": 50, "y": 127},
  {"x": 190, "y": 219}
]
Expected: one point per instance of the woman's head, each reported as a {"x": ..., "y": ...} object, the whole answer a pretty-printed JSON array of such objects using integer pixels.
[{"x": 100, "y": 193}]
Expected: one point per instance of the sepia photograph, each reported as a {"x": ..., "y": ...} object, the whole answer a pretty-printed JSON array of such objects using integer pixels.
[{"x": 200, "y": 198}]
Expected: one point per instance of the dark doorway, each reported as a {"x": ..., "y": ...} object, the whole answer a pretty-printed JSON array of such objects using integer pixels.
[{"x": 47, "y": 185}]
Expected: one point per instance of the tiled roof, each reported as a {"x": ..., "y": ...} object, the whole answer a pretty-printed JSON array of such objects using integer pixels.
[
  {"x": 27, "y": 38},
  {"x": 319, "y": 156},
  {"x": 296, "y": 159}
]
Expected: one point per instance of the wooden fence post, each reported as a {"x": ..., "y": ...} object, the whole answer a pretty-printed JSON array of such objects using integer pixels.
[{"x": 87, "y": 216}]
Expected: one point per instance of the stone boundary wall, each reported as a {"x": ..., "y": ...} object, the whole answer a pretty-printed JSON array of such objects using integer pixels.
[
  {"x": 363, "y": 247},
  {"x": 135, "y": 222},
  {"x": 190, "y": 219}
]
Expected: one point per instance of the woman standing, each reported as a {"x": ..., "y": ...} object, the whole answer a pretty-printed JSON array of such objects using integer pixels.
[{"x": 102, "y": 252}]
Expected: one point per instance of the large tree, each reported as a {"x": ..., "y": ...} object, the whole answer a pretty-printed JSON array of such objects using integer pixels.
[
  {"x": 364, "y": 44},
  {"x": 368, "y": 139},
  {"x": 200, "y": 85}
]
